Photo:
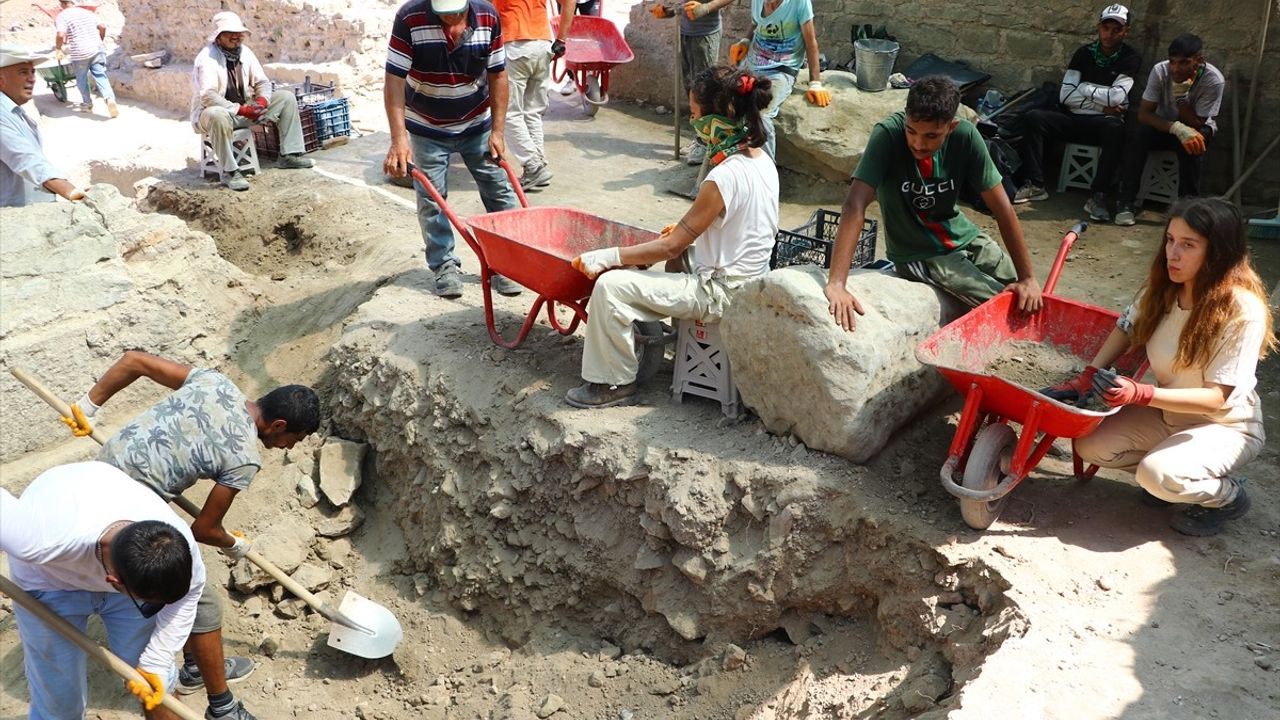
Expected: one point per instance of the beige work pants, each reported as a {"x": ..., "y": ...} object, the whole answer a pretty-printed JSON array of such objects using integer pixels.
[
  {"x": 622, "y": 297},
  {"x": 1180, "y": 464},
  {"x": 219, "y": 123}
]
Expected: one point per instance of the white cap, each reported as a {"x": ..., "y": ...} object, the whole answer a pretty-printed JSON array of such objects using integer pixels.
[
  {"x": 226, "y": 21},
  {"x": 448, "y": 7},
  {"x": 1117, "y": 12},
  {"x": 14, "y": 54}
]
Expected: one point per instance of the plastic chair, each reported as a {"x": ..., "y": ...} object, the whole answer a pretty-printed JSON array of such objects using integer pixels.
[
  {"x": 243, "y": 150},
  {"x": 1159, "y": 177},
  {"x": 702, "y": 366},
  {"x": 1079, "y": 166}
]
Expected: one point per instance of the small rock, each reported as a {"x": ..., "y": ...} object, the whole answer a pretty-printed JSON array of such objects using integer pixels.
[
  {"x": 340, "y": 469},
  {"x": 596, "y": 679},
  {"x": 550, "y": 705},
  {"x": 1264, "y": 663},
  {"x": 363, "y": 712},
  {"x": 664, "y": 686},
  {"x": 345, "y": 522},
  {"x": 734, "y": 658},
  {"x": 609, "y": 651},
  {"x": 312, "y": 577},
  {"x": 255, "y": 606},
  {"x": 308, "y": 495},
  {"x": 291, "y": 608},
  {"x": 661, "y": 110},
  {"x": 268, "y": 645},
  {"x": 626, "y": 714},
  {"x": 1104, "y": 584}
]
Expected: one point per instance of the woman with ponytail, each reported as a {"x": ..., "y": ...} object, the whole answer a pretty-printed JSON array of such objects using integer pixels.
[
  {"x": 733, "y": 219},
  {"x": 1203, "y": 320}
]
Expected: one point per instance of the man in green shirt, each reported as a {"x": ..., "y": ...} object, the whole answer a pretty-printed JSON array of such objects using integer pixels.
[{"x": 915, "y": 163}]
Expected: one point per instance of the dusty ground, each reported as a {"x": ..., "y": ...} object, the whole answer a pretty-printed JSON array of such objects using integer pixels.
[{"x": 1125, "y": 618}]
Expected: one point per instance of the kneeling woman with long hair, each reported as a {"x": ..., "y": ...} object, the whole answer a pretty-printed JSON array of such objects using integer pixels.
[
  {"x": 734, "y": 220},
  {"x": 1203, "y": 319}
]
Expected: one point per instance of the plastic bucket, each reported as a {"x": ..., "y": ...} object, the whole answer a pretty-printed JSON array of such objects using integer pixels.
[{"x": 874, "y": 63}]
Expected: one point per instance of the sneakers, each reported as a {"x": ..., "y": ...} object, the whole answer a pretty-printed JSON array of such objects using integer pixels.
[
  {"x": 112, "y": 110},
  {"x": 504, "y": 286},
  {"x": 237, "y": 712},
  {"x": 235, "y": 181},
  {"x": 238, "y": 668},
  {"x": 448, "y": 280},
  {"x": 568, "y": 88},
  {"x": 599, "y": 395},
  {"x": 1201, "y": 521},
  {"x": 535, "y": 176},
  {"x": 85, "y": 107},
  {"x": 1029, "y": 192},
  {"x": 695, "y": 153},
  {"x": 1125, "y": 214},
  {"x": 1096, "y": 208},
  {"x": 294, "y": 162}
]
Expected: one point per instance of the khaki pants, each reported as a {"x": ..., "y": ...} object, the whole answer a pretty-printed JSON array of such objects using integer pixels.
[
  {"x": 1180, "y": 464},
  {"x": 622, "y": 297},
  {"x": 975, "y": 273},
  {"x": 219, "y": 123},
  {"x": 527, "y": 77}
]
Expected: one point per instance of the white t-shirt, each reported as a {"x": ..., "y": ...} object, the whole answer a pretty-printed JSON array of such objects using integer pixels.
[
  {"x": 1234, "y": 363},
  {"x": 50, "y": 534},
  {"x": 739, "y": 242}
]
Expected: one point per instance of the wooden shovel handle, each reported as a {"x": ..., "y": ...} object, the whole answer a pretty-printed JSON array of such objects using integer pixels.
[{"x": 95, "y": 651}]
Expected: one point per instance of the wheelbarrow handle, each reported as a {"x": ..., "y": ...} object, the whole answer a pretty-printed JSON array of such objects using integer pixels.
[
  {"x": 190, "y": 508},
  {"x": 421, "y": 177},
  {"x": 96, "y": 652},
  {"x": 1067, "y": 241}
]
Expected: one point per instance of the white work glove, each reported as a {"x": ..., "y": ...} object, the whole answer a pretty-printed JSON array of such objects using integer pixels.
[
  {"x": 86, "y": 406},
  {"x": 594, "y": 262},
  {"x": 1192, "y": 141},
  {"x": 1182, "y": 89},
  {"x": 239, "y": 549}
]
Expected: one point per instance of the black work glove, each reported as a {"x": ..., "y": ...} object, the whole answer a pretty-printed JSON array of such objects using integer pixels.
[{"x": 557, "y": 48}]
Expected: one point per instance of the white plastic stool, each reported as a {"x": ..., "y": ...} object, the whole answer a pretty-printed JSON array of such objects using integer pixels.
[
  {"x": 1159, "y": 177},
  {"x": 244, "y": 155},
  {"x": 702, "y": 366},
  {"x": 1079, "y": 166}
]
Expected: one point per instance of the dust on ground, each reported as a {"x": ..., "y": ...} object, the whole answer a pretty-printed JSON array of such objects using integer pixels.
[{"x": 1126, "y": 619}]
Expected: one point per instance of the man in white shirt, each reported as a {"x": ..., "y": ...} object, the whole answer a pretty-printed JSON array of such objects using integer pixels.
[
  {"x": 26, "y": 176},
  {"x": 86, "y": 539},
  {"x": 80, "y": 36},
  {"x": 232, "y": 92}
]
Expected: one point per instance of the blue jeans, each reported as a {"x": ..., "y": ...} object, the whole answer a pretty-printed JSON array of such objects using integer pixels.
[
  {"x": 783, "y": 83},
  {"x": 432, "y": 158},
  {"x": 97, "y": 65},
  {"x": 54, "y": 667}
]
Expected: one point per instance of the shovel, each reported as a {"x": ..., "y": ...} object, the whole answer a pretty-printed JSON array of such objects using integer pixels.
[
  {"x": 95, "y": 651},
  {"x": 361, "y": 626}
]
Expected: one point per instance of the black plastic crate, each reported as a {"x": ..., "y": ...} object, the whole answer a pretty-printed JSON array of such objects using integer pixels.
[
  {"x": 812, "y": 243},
  {"x": 333, "y": 118},
  {"x": 309, "y": 93}
]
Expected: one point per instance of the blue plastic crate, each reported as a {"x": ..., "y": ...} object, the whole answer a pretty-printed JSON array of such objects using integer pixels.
[{"x": 333, "y": 118}]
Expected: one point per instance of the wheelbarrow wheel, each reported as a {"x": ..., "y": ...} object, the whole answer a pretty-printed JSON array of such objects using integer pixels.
[
  {"x": 991, "y": 451},
  {"x": 59, "y": 91}
]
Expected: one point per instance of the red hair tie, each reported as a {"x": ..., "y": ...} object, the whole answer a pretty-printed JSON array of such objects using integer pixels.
[{"x": 746, "y": 84}]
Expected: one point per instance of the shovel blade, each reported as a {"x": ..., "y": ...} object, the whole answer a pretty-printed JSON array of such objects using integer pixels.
[{"x": 381, "y": 633}]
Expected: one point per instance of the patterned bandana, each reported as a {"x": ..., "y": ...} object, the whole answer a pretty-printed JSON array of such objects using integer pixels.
[
  {"x": 1100, "y": 58},
  {"x": 723, "y": 136}
]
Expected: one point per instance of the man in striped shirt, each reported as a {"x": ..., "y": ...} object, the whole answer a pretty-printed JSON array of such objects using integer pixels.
[
  {"x": 446, "y": 71},
  {"x": 80, "y": 35}
]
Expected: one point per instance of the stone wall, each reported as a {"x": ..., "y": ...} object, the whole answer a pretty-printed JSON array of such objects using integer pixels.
[{"x": 1022, "y": 44}]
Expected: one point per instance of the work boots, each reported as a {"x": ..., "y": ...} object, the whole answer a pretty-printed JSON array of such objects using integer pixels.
[
  {"x": 599, "y": 395},
  {"x": 1201, "y": 521}
]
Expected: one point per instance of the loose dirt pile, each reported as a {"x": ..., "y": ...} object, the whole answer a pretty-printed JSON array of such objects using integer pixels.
[{"x": 1033, "y": 365}]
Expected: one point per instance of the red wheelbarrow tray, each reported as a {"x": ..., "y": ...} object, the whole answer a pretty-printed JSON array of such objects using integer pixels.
[
  {"x": 594, "y": 43},
  {"x": 963, "y": 348}
]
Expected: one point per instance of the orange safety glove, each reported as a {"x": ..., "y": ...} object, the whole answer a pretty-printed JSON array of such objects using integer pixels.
[
  {"x": 78, "y": 422},
  {"x": 694, "y": 9},
  {"x": 817, "y": 94},
  {"x": 738, "y": 51},
  {"x": 1192, "y": 141},
  {"x": 668, "y": 229},
  {"x": 151, "y": 693},
  {"x": 662, "y": 12}
]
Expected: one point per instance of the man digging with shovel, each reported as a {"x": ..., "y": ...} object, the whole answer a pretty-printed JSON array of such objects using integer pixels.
[{"x": 205, "y": 429}]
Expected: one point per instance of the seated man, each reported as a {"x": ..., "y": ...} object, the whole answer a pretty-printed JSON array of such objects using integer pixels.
[
  {"x": 26, "y": 176},
  {"x": 1094, "y": 96},
  {"x": 86, "y": 540},
  {"x": 914, "y": 164},
  {"x": 231, "y": 92},
  {"x": 206, "y": 429},
  {"x": 1182, "y": 98}
]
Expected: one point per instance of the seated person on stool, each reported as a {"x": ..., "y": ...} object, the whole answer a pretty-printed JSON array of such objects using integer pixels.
[
  {"x": 734, "y": 219},
  {"x": 1094, "y": 96},
  {"x": 1182, "y": 98},
  {"x": 1202, "y": 318},
  {"x": 231, "y": 92},
  {"x": 914, "y": 163}
]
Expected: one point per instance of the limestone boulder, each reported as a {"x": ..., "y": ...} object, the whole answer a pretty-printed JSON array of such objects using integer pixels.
[
  {"x": 840, "y": 392},
  {"x": 340, "y": 475}
]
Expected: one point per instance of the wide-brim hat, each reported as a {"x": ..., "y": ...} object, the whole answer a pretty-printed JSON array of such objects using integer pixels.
[
  {"x": 14, "y": 54},
  {"x": 226, "y": 21}
]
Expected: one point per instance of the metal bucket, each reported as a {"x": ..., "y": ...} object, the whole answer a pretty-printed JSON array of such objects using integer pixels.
[{"x": 874, "y": 63}]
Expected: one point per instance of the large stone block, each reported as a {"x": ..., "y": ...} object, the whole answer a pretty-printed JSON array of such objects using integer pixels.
[{"x": 840, "y": 392}]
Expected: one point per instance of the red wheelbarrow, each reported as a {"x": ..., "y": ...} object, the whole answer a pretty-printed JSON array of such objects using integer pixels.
[
  {"x": 535, "y": 247},
  {"x": 593, "y": 47},
  {"x": 991, "y": 458}
]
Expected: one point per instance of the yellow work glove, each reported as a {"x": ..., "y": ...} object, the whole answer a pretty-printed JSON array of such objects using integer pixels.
[
  {"x": 662, "y": 12},
  {"x": 694, "y": 9},
  {"x": 1192, "y": 141},
  {"x": 78, "y": 422},
  {"x": 150, "y": 693},
  {"x": 817, "y": 94},
  {"x": 738, "y": 51}
]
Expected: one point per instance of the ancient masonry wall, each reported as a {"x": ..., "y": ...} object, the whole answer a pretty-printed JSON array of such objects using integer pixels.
[{"x": 1022, "y": 43}]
